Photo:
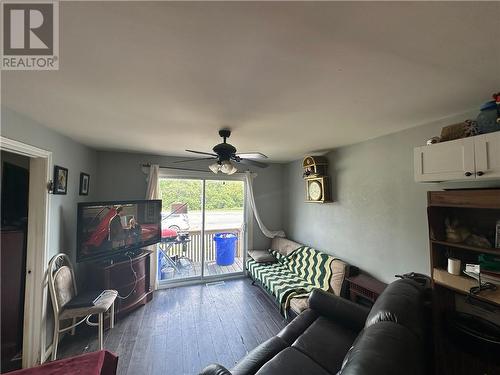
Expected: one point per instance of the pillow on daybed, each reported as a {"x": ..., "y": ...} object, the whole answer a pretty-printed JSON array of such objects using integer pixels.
[{"x": 262, "y": 256}]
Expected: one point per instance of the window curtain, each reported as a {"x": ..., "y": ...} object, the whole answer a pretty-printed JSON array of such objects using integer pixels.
[
  {"x": 153, "y": 192},
  {"x": 251, "y": 198}
]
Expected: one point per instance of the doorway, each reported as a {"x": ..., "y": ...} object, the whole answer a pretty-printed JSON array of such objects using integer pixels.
[
  {"x": 35, "y": 290},
  {"x": 14, "y": 233},
  {"x": 203, "y": 229}
]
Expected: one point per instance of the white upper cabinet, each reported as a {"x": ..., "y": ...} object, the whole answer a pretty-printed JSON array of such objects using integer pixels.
[
  {"x": 447, "y": 161},
  {"x": 487, "y": 152},
  {"x": 464, "y": 159}
]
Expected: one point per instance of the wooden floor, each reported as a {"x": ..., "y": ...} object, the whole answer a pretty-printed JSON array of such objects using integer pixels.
[
  {"x": 211, "y": 269},
  {"x": 184, "y": 329}
]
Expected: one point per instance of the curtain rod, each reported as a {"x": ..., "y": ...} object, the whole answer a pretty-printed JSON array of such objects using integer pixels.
[{"x": 182, "y": 169}]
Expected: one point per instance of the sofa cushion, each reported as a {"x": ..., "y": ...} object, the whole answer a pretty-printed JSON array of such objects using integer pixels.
[
  {"x": 339, "y": 309},
  {"x": 385, "y": 348},
  {"x": 283, "y": 245},
  {"x": 298, "y": 326},
  {"x": 402, "y": 303},
  {"x": 292, "y": 362},
  {"x": 340, "y": 271},
  {"x": 326, "y": 342},
  {"x": 262, "y": 256}
]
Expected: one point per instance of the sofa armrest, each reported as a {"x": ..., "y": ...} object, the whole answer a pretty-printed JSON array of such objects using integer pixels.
[
  {"x": 259, "y": 356},
  {"x": 338, "y": 309},
  {"x": 215, "y": 369}
]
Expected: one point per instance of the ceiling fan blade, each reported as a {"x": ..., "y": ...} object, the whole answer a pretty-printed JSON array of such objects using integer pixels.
[
  {"x": 252, "y": 162},
  {"x": 252, "y": 155},
  {"x": 201, "y": 152},
  {"x": 195, "y": 159}
]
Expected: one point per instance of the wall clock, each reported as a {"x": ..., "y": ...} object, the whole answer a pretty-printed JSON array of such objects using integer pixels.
[
  {"x": 315, "y": 190},
  {"x": 314, "y": 166},
  {"x": 318, "y": 189},
  {"x": 316, "y": 180}
]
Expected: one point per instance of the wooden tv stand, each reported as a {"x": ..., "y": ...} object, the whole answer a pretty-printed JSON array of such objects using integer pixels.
[{"x": 118, "y": 275}]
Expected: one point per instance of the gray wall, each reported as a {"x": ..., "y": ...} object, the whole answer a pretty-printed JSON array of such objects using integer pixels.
[
  {"x": 120, "y": 176},
  {"x": 378, "y": 220},
  {"x": 66, "y": 153},
  {"x": 62, "y": 208}
]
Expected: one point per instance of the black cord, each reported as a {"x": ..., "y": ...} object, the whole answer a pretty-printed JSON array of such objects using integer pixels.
[
  {"x": 135, "y": 280},
  {"x": 480, "y": 287}
]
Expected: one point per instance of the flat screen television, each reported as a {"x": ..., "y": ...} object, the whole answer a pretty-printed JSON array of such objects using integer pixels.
[{"x": 107, "y": 229}]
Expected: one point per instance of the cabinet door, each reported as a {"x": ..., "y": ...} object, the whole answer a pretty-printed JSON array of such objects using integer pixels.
[
  {"x": 447, "y": 161},
  {"x": 487, "y": 151}
]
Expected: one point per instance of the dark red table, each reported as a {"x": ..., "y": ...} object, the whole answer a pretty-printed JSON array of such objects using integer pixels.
[
  {"x": 364, "y": 289},
  {"x": 94, "y": 363}
]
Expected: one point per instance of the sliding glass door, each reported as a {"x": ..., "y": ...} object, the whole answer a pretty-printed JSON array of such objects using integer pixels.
[
  {"x": 224, "y": 227},
  {"x": 203, "y": 229}
]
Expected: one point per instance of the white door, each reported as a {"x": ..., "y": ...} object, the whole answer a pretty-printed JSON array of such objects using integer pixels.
[
  {"x": 447, "y": 161},
  {"x": 487, "y": 151}
]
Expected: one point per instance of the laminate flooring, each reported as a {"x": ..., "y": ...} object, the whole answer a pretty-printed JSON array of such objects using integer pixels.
[{"x": 184, "y": 329}]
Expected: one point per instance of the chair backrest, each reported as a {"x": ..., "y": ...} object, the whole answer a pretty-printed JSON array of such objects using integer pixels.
[{"x": 62, "y": 284}]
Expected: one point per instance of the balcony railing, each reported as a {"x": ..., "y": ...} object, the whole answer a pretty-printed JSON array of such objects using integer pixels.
[{"x": 194, "y": 247}]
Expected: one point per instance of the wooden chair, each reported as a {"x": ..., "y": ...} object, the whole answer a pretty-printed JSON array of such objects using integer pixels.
[{"x": 62, "y": 287}]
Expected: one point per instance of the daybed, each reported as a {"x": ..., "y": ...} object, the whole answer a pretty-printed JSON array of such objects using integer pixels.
[{"x": 289, "y": 271}]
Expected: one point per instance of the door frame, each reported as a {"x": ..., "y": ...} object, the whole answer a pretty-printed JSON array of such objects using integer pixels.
[
  {"x": 248, "y": 225},
  {"x": 37, "y": 250}
]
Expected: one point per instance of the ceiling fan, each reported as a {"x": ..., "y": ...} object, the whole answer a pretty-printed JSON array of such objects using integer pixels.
[{"x": 225, "y": 156}]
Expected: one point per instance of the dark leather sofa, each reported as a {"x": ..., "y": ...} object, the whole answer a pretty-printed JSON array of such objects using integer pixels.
[{"x": 336, "y": 336}]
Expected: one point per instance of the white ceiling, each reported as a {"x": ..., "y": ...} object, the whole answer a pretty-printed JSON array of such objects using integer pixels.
[{"x": 287, "y": 78}]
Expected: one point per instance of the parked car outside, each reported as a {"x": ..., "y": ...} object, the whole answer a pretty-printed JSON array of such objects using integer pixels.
[{"x": 177, "y": 222}]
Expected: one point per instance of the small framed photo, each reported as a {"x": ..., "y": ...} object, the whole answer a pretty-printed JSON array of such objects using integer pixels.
[
  {"x": 60, "y": 180},
  {"x": 84, "y": 183}
]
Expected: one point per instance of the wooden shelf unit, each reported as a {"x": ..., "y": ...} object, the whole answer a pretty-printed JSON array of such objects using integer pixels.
[
  {"x": 462, "y": 284},
  {"x": 466, "y": 198},
  {"x": 477, "y": 209},
  {"x": 482, "y": 250}
]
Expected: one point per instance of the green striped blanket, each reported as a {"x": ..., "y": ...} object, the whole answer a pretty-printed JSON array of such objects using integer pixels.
[{"x": 294, "y": 275}]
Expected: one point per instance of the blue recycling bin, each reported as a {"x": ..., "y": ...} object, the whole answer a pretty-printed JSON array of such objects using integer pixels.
[{"x": 225, "y": 248}]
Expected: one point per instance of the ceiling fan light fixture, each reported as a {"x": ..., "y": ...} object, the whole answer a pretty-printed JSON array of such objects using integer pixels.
[
  {"x": 226, "y": 156},
  {"x": 228, "y": 168},
  {"x": 233, "y": 170},
  {"x": 215, "y": 167}
]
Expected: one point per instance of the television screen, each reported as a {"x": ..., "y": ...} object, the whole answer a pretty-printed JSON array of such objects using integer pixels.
[{"x": 109, "y": 228}]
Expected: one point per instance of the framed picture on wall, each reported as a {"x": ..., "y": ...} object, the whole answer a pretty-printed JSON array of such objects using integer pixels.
[
  {"x": 60, "y": 180},
  {"x": 84, "y": 183}
]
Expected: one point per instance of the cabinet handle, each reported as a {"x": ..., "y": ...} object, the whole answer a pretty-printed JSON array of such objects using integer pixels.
[
  {"x": 468, "y": 174},
  {"x": 480, "y": 173}
]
